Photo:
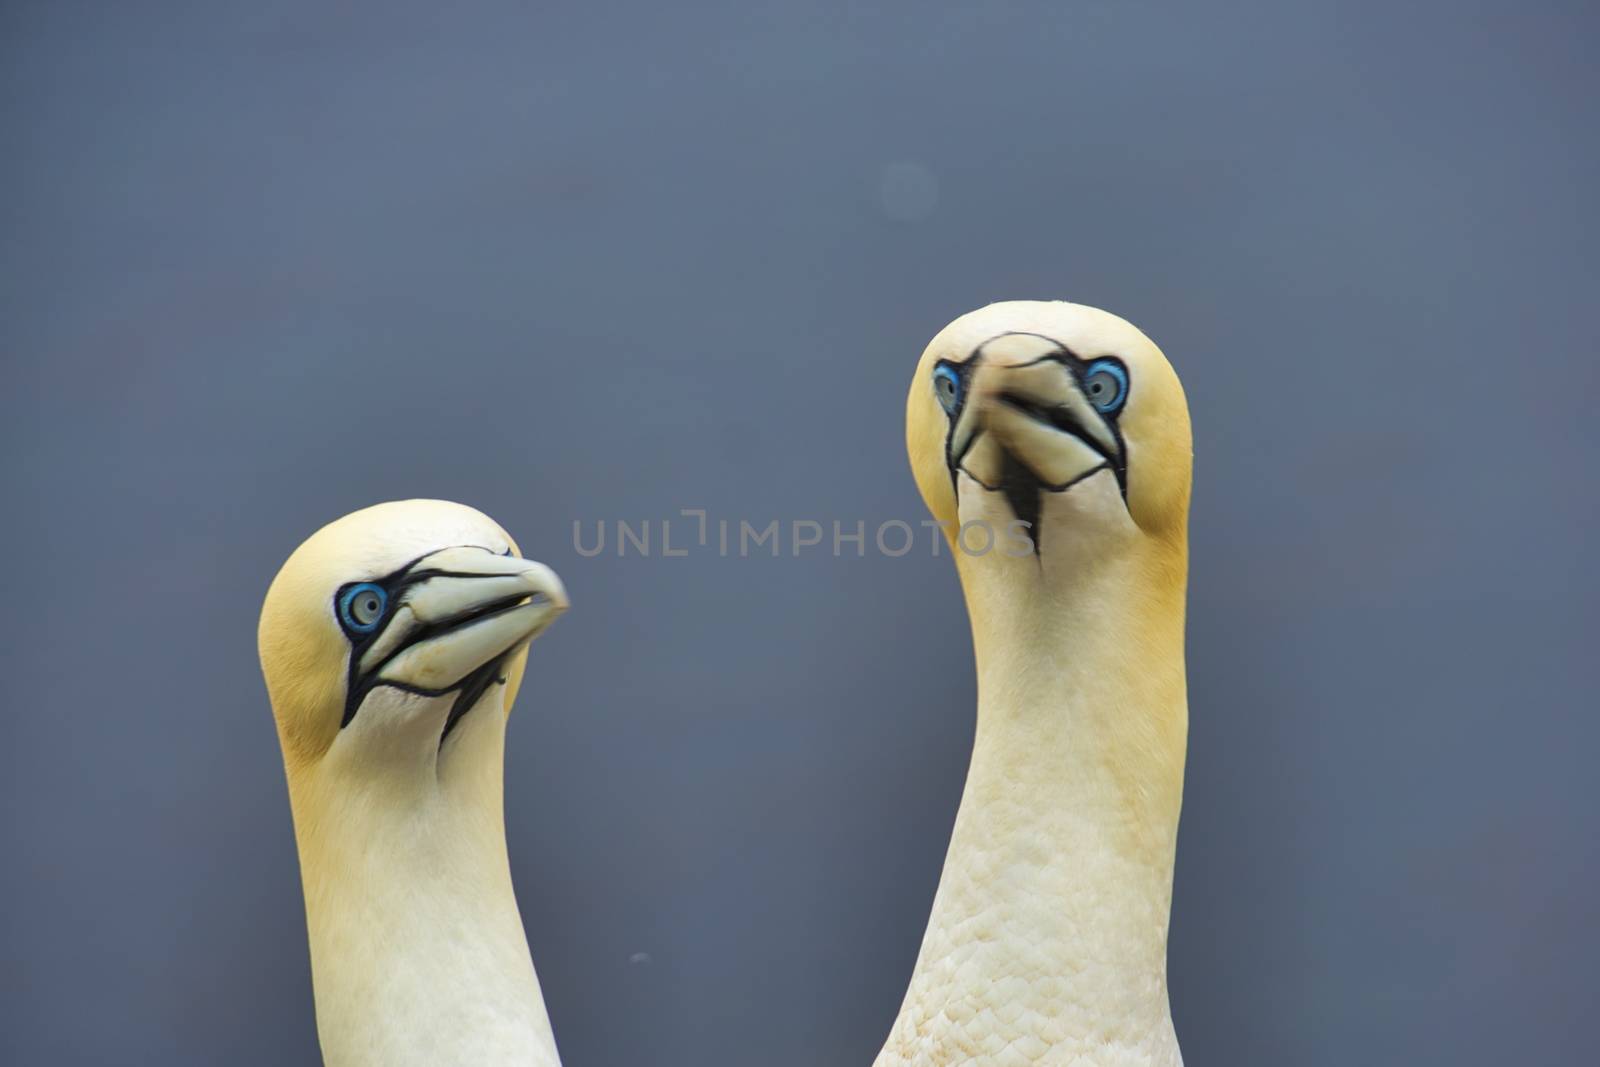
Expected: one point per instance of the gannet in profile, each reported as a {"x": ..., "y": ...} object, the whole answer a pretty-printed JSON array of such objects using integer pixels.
[
  {"x": 1047, "y": 942},
  {"x": 393, "y": 642}
]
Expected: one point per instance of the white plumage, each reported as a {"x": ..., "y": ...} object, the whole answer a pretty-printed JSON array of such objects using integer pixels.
[
  {"x": 1048, "y": 935},
  {"x": 393, "y": 642}
]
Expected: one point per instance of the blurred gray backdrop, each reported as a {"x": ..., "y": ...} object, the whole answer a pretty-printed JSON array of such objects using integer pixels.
[{"x": 266, "y": 263}]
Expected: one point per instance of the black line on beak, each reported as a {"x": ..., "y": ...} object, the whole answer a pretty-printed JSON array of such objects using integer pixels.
[
  {"x": 1022, "y": 488},
  {"x": 358, "y": 683},
  {"x": 1061, "y": 419}
]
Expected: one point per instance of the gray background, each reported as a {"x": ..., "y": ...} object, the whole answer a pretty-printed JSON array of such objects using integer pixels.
[{"x": 265, "y": 263}]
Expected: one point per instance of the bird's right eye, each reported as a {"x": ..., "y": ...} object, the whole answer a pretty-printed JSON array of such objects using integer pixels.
[
  {"x": 947, "y": 387},
  {"x": 361, "y": 607}
]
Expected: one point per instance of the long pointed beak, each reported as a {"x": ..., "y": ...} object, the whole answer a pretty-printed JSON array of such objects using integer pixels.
[
  {"x": 463, "y": 608},
  {"x": 1035, "y": 413}
]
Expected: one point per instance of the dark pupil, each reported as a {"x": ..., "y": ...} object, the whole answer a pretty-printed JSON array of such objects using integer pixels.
[
  {"x": 370, "y": 605},
  {"x": 1097, "y": 387}
]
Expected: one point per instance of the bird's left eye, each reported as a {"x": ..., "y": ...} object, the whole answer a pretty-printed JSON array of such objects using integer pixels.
[
  {"x": 361, "y": 607},
  {"x": 1105, "y": 383},
  {"x": 947, "y": 387}
]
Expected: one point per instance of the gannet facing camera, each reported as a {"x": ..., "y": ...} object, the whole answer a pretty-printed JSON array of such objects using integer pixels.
[
  {"x": 393, "y": 642},
  {"x": 1047, "y": 940}
]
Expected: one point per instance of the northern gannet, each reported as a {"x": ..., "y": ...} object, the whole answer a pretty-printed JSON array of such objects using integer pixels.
[
  {"x": 393, "y": 642},
  {"x": 1047, "y": 942}
]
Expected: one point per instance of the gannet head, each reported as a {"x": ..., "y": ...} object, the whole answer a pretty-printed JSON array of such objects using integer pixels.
[
  {"x": 1059, "y": 416},
  {"x": 386, "y": 629}
]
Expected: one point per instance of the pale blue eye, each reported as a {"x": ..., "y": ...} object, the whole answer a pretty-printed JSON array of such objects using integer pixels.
[
  {"x": 947, "y": 387},
  {"x": 361, "y": 607},
  {"x": 1105, "y": 383}
]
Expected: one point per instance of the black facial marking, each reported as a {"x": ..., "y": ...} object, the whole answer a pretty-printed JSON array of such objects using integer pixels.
[
  {"x": 1025, "y": 493},
  {"x": 473, "y": 686},
  {"x": 965, "y": 371},
  {"x": 1023, "y": 490},
  {"x": 469, "y": 690}
]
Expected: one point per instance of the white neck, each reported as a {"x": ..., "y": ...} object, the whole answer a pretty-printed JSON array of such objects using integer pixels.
[
  {"x": 417, "y": 948},
  {"x": 1049, "y": 927}
]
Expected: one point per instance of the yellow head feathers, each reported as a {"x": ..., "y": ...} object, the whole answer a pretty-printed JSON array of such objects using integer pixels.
[
  {"x": 1025, "y": 398},
  {"x": 408, "y": 609}
]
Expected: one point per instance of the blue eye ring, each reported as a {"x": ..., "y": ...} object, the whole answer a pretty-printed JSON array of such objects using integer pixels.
[
  {"x": 361, "y": 607},
  {"x": 947, "y": 387},
  {"x": 1105, "y": 384}
]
